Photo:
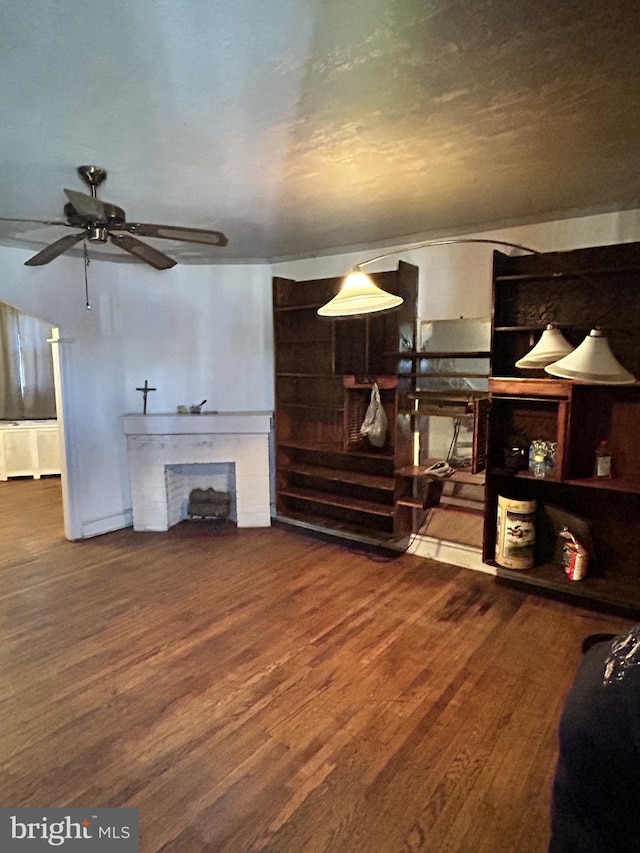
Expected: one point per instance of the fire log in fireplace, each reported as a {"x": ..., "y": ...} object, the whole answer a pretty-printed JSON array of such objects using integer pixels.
[{"x": 209, "y": 503}]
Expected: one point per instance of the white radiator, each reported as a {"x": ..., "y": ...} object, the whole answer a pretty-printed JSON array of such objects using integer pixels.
[{"x": 29, "y": 449}]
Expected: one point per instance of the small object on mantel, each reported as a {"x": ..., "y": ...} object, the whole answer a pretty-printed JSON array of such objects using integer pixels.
[
  {"x": 196, "y": 409},
  {"x": 145, "y": 391},
  {"x": 182, "y": 410}
]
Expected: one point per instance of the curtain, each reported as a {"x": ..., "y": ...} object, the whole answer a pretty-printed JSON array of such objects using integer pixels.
[{"x": 26, "y": 367}]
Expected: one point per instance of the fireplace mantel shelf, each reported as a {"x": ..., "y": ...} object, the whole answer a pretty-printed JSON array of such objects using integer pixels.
[{"x": 207, "y": 423}]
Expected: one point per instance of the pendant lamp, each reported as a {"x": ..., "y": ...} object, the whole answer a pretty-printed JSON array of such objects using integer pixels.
[
  {"x": 592, "y": 362},
  {"x": 359, "y": 295},
  {"x": 551, "y": 346}
]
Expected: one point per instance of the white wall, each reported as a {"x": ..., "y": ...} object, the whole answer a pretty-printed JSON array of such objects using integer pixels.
[
  {"x": 192, "y": 331},
  {"x": 198, "y": 331}
]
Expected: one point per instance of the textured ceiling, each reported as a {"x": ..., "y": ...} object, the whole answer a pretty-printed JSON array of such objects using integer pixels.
[{"x": 300, "y": 126}]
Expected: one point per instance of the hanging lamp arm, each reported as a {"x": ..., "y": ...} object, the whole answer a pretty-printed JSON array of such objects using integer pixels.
[
  {"x": 360, "y": 295},
  {"x": 449, "y": 242}
]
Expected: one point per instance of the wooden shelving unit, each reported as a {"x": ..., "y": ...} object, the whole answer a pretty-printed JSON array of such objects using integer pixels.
[
  {"x": 328, "y": 476},
  {"x": 577, "y": 290}
]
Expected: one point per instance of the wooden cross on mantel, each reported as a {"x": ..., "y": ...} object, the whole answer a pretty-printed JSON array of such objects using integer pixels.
[{"x": 145, "y": 390}]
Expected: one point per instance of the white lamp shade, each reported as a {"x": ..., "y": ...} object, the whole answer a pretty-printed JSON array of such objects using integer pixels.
[
  {"x": 592, "y": 362},
  {"x": 359, "y": 295},
  {"x": 552, "y": 346}
]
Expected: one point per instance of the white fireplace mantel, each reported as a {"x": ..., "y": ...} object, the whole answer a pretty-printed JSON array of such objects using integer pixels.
[
  {"x": 155, "y": 442},
  {"x": 206, "y": 423}
]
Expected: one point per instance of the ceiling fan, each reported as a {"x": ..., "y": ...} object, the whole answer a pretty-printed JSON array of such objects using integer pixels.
[{"x": 100, "y": 221}]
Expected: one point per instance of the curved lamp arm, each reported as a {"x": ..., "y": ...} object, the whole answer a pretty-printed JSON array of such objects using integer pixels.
[
  {"x": 359, "y": 295},
  {"x": 449, "y": 242}
]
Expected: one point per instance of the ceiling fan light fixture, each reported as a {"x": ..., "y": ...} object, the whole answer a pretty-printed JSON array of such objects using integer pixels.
[
  {"x": 552, "y": 346},
  {"x": 359, "y": 295},
  {"x": 592, "y": 362}
]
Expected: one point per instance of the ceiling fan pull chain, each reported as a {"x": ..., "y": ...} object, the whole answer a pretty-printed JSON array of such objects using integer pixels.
[{"x": 86, "y": 277}]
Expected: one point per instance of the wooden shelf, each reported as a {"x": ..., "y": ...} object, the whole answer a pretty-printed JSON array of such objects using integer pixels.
[
  {"x": 302, "y": 375},
  {"x": 411, "y": 471},
  {"x": 460, "y": 475},
  {"x": 375, "y": 537},
  {"x": 340, "y": 475},
  {"x": 328, "y": 476},
  {"x": 448, "y": 396},
  {"x": 335, "y": 500},
  {"x": 383, "y": 382},
  {"x": 336, "y": 450},
  {"x": 296, "y": 342},
  {"x": 445, "y": 374},
  {"x": 309, "y": 306},
  {"x": 527, "y": 388},
  {"x": 613, "y": 484},
  {"x": 541, "y": 327},
  {"x": 523, "y": 475},
  {"x": 311, "y": 406},
  {"x": 584, "y": 288},
  {"x": 426, "y": 354},
  {"x": 565, "y": 274},
  {"x": 613, "y": 593}
]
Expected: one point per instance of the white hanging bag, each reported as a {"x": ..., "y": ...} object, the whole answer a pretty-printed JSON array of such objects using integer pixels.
[{"x": 374, "y": 425}]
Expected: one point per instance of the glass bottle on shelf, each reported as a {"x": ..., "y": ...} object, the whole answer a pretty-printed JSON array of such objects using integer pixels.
[
  {"x": 603, "y": 460},
  {"x": 542, "y": 457}
]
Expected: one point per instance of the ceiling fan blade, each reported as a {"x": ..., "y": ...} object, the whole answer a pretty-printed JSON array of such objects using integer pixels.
[
  {"x": 86, "y": 204},
  {"x": 34, "y": 221},
  {"x": 143, "y": 251},
  {"x": 176, "y": 232},
  {"x": 54, "y": 249}
]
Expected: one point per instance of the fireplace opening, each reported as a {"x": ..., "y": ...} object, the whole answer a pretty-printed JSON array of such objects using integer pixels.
[{"x": 181, "y": 480}]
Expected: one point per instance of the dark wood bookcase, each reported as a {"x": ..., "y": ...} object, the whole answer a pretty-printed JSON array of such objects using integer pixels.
[
  {"x": 328, "y": 476},
  {"x": 578, "y": 290}
]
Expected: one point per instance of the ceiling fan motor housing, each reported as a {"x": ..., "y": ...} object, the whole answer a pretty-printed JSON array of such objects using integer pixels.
[
  {"x": 97, "y": 233},
  {"x": 113, "y": 215}
]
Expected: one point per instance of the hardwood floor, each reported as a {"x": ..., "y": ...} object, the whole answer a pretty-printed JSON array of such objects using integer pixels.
[{"x": 259, "y": 690}]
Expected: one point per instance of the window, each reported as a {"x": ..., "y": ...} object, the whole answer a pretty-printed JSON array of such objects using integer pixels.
[{"x": 26, "y": 367}]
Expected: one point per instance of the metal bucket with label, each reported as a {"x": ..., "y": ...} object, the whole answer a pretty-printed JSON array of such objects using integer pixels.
[{"x": 516, "y": 533}]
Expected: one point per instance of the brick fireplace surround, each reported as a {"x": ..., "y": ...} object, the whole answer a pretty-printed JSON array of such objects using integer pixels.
[{"x": 237, "y": 440}]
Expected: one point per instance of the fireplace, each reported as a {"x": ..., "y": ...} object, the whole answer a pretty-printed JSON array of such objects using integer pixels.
[
  {"x": 171, "y": 454},
  {"x": 181, "y": 480}
]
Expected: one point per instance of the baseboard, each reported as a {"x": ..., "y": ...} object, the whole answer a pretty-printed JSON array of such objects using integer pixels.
[
  {"x": 454, "y": 553},
  {"x": 98, "y": 526},
  {"x": 341, "y": 535}
]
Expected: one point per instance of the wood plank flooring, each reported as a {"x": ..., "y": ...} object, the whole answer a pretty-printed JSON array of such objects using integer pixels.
[{"x": 260, "y": 690}]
